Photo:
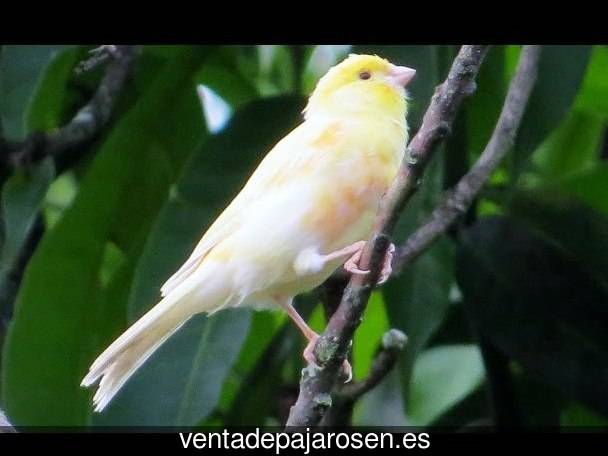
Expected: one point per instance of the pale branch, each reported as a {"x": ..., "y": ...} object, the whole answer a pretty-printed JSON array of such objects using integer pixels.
[
  {"x": 458, "y": 199},
  {"x": 98, "y": 56},
  {"x": 317, "y": 383},
  {"x": 87, "y": 122}
]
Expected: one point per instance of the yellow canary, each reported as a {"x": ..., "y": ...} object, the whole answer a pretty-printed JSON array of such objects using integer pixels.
[{"x": 304, "y": 212}]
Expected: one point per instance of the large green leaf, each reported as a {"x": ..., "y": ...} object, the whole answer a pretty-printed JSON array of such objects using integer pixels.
[
  {"x": 211, "y": 178},
  {"x": 528, "y": 294},
  {"x": 571, "y": 148},
  {"x": 589, "y": 186},
  {"x": 442, "y": 377},
  {"x": 55, "y": 331},
  {"x": 22, "y": 195},
  {"x": 593, "y": 96},
  {"x": 560, "y": 73},
  {"x": 369, "y": 335},
  {"x": 49, "y": 100},
  {"x": 221, "y": 74},
  {"x": 483, "y": 109},
  {"x": 21, "y": 68},
  {"x": 578, "y": 415}
]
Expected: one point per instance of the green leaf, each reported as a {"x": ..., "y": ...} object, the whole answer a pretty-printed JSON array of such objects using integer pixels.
[
  {"x": 277, "y": 72},
  {"x": 264, "y": 327},
  {"x": 22, "y": 195},
  {"x": 56, "y": 327},
  {"x": 47, "y": 106},
  {"x": 571, "y": 148},
  {"x": 589, "y": 186},
  {"x": 221, "y": 74},
  {"x": 482, "y": 110},
  {"x": 530, "y": 297},
  {"x": 369, "y": 335},
  {"x": 210, "y": 179},
  {"x": 593, "y": 96},
  {"x": 442, "y": 377},
  {"x": 560, "y": 73},
  {"x": 576, "y": 414},
  {"x": 21, "y": 69}
]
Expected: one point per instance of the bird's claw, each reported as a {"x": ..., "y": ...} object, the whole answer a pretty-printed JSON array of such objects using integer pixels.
[
  {"x": 352, "y": 265},
  {"x": 387, "y": 268}
]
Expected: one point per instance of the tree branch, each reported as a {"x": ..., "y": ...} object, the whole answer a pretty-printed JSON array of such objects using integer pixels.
[
  {"x": 331, "y": 348},
  {"x": 458, "y": 200},
  {"x": 98, "y": 56},
  {"x": 87, "y": 122},
  {"x": 348, "y": 394}
]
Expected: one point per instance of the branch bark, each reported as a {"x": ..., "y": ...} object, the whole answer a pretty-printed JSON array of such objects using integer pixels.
[
  {"x": 317, "y": 383},
  {"x": 345, "y": 398},
  {"x": 458, "y": 200}
]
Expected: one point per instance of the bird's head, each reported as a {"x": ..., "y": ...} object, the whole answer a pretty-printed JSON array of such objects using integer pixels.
[{"x": 365, "y": 84}]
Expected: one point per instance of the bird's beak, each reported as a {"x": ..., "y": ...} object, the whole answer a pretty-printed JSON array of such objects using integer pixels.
[{"x": 401, "y": 75}]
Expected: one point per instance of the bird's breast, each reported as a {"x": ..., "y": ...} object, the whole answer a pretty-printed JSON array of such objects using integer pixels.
[{"x": 346, "y": 198}]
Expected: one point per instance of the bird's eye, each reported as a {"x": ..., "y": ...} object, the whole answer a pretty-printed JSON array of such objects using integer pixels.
[{"x": 365, "y": 75}]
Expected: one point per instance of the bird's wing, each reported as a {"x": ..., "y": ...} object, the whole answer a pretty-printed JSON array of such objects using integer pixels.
[{"x": 278, "y": 168}]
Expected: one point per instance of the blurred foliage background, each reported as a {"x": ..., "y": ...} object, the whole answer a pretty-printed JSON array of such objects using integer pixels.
[{"x": 506, "y": 317}]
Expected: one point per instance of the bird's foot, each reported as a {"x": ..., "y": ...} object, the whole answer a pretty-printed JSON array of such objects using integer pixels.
[
  {"x": 311, "y": 359},
  {"x": 352, "y": 264}
]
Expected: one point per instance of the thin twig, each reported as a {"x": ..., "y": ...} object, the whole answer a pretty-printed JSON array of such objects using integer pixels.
[
  {"x": 458, "y": 200},
  {"x": 331, "y": 348},
  {"x": 98, "y": 56}
]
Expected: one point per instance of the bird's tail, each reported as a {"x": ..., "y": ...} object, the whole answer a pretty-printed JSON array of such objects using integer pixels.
[{"x": 127, "y": 353}]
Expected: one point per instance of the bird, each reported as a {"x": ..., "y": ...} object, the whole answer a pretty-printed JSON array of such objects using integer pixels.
[{"x": 305, "y": 211}]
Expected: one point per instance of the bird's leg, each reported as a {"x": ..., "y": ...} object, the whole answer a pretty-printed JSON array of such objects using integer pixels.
[
  {"x": 311, "y": 336},
  {"x": 354, "y": 251}
]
